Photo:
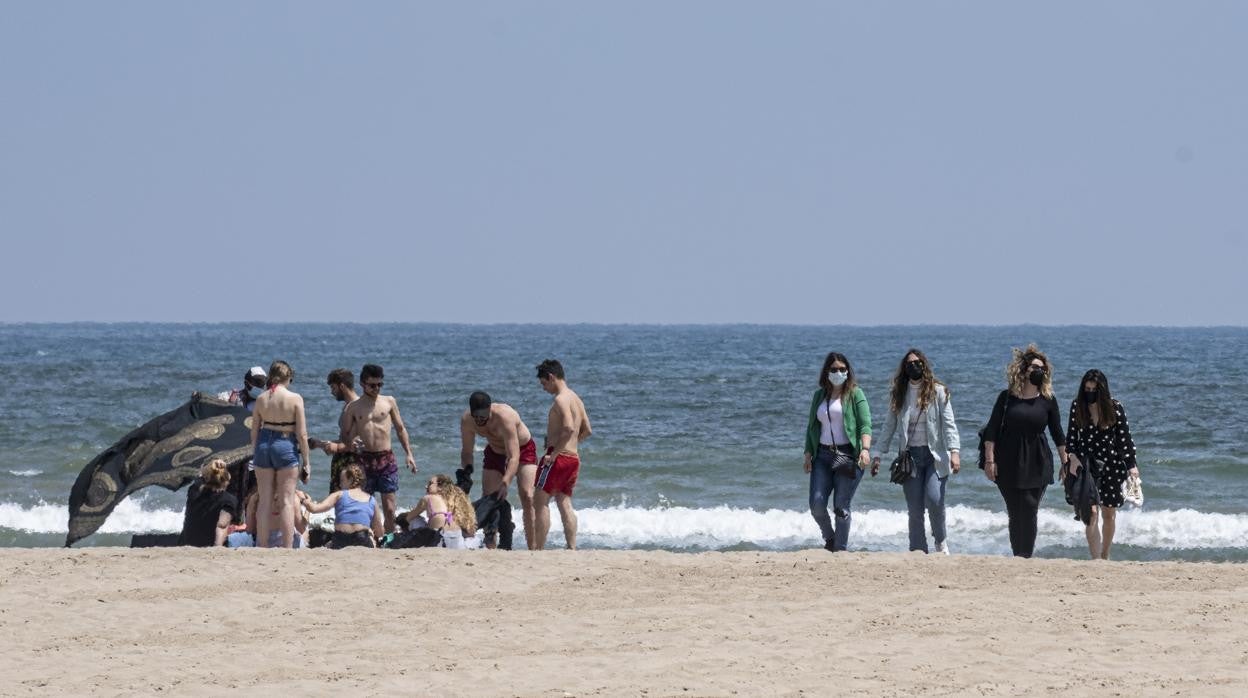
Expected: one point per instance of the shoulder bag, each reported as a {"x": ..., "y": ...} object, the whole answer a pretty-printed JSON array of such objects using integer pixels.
[{"x": 902, "y": 468}]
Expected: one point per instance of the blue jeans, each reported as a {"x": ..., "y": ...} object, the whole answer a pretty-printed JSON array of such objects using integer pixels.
[
  {"x": 925, "y": 490},
  {"x": 841, "y": 488}
]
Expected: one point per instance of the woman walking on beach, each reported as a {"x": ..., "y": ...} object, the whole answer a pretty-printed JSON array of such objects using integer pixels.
[
  {"x": 1016, "y": 455},
  {"x": 838, "y": 447},
  {"x": 1099, "y": 438},
  {"x": 279, "y": 437},
  {"x": 921, "y": 405}
]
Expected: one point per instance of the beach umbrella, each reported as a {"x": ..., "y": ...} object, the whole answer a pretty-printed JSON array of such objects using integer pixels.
[{"x": 167, "y": 451}]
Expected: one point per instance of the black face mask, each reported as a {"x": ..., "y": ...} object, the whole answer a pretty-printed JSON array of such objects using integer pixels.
[
  {"x": 915, "y": 371},
  {"x": 1036, "y": 377},
  {"x": 1091, "y": 396}
]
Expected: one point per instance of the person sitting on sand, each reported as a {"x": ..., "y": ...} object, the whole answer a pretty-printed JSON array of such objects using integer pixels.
[
  {"x": 445, "y": 509},
  {"x": 357, "y": 517},
  {"x": 248, "y": 538},
  {"x": 209, "y": 508}
]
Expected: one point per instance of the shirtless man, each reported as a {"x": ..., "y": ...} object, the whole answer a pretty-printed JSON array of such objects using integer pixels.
[
  {"x": 510, "y": 452},
  {"x": 566, "y": 427},
  {"x": 369, "y": 420},
  {"x": 341, "y": 384}
]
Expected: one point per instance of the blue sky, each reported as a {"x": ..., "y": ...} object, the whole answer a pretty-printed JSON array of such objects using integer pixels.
[{"x": 811, "y": 163}]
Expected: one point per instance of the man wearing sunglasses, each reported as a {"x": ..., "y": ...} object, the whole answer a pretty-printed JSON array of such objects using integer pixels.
[{"x": 369, "y": 421}]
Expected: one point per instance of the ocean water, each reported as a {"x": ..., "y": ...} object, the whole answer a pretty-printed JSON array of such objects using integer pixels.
[{"x": 698, "y": 430}]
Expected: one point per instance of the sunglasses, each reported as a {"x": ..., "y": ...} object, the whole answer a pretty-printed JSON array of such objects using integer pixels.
[{"x": 375, "y": 386}]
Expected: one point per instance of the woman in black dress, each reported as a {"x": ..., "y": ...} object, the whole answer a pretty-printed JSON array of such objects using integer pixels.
[
  {"x": 1016, "y": 454},
  {"x": 1100, "y": 439}
]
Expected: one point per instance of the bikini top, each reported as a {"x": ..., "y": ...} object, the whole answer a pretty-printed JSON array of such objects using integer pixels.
[{"x": 268, "y": 423}]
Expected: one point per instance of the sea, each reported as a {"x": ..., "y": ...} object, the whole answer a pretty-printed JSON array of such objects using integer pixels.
[{"x": 697, "y": 430}]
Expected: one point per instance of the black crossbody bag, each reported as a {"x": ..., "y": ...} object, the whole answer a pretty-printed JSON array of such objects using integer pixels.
[{"x": 902, "y": 468}]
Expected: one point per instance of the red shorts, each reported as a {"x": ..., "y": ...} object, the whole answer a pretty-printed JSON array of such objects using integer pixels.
[
  {"x": 559, "y": 475},
  {"x": 498, "y": 461}
]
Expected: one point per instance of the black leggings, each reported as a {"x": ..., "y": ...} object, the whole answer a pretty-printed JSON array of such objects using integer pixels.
[{"x": 1022, "y": 506}]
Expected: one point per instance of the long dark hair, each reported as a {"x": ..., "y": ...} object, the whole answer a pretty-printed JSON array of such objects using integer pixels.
[
  {"x": 927, "y": 384},
  {"x": 847, "y": 388},
  {"x": 1104, "y": 401}
]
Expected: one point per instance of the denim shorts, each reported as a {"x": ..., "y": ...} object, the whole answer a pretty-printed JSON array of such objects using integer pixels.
[{"x": 276, "y": 450}]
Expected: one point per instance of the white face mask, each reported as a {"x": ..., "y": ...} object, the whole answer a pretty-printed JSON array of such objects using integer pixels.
[{"x": 838, "y": 377}]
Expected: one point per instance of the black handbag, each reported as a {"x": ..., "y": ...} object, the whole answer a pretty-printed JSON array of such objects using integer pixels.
[{"x": 902, "y": 468}]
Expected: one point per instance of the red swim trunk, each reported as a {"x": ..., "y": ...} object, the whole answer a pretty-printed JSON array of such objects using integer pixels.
[
  {"x": 498, "y": 461},
  {"x": 559, "y": 475}
]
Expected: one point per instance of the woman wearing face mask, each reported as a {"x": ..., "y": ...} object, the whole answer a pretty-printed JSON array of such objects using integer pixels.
[
  {"x": 920, "y": 405},
  {"x": 1017, "y": 456},
  {"x": 1100, "y": 439},
  {"x": 838, "y": 447}
]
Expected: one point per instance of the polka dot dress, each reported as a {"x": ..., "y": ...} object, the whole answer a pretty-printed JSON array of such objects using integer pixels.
[{"x": 1112, "y": 448}]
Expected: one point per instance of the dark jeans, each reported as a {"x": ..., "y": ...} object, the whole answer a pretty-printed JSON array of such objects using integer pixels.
[
  {"x": 925, "y": 490},
  {"x": 840, "y": 487},
  {"x": 1022, "y": 506}
]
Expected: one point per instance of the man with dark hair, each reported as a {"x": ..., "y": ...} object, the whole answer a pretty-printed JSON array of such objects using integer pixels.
[
  {"x": 369, "y": 420},
  {"x": 510, "y": 454},
  {"x": 566, "y": 426},
  {"x": 341, "y": 384}
]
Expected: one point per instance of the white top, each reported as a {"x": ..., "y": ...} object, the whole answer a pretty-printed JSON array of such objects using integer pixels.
[
  {"x": 832, "y": 423},
  {"x": 917, "y": 421}
]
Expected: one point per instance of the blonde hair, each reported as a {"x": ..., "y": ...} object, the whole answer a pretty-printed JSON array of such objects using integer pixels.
[
  {"x": 354, "y": 474},
  {"x": 280, "y": 372},
  {"x": 1018, "y": 369},
  {"x": 457, "y": 503},
  {"x": 215, "y": 475}
]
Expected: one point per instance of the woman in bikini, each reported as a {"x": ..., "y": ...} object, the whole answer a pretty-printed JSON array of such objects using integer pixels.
[
  {"x": 357, "y": 518},
  {"x": 447, "y": 510},
  {"x": 279, "y": 438}
]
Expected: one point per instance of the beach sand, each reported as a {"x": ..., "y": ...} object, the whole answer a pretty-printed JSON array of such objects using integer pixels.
[{"x": 450, "y": 623}]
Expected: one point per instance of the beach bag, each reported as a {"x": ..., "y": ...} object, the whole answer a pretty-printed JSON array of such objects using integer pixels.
[{"x": 1133, "y": 491}]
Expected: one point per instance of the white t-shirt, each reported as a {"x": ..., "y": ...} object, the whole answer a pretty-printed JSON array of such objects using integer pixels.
[
  {"x": 918, "y": 420},
  {"x": 832, "y": 423}
]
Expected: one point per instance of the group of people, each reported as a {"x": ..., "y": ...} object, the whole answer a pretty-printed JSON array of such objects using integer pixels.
[
  {"x": 364, "y": 474},
  {"x": 1015, "y": 453}
]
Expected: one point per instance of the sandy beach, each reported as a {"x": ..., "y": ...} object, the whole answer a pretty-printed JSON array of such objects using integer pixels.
[{"x": 434, "y": 622}]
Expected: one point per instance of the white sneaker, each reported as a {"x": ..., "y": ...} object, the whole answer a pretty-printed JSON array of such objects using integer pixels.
[{"x": 943, "y": 548}]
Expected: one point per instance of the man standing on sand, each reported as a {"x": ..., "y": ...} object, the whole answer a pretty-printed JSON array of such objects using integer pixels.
[
  {"x": 369, "y": 420},
  {"x": 510, "y": 454},
  {"x": 341, "y": 384},
  {"x": 566, "y": 426}
]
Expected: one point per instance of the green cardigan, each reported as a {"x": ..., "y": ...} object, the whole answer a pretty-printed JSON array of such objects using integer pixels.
[{"x": 857, "y": 422}]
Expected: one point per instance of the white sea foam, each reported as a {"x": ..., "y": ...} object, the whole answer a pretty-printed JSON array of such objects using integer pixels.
[
  {"x": 25, "y": 473},
  {"x": 971, "y": 530}
]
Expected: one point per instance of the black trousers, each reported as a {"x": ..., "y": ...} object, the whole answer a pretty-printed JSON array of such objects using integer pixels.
[{"x": 1022, "y": 506}]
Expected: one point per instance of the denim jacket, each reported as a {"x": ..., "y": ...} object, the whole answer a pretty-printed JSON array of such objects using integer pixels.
[{"x": 942, "y": 431}]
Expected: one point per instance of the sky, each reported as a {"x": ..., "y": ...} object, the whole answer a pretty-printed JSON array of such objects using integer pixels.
[{"x": 646, "y": 162}]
